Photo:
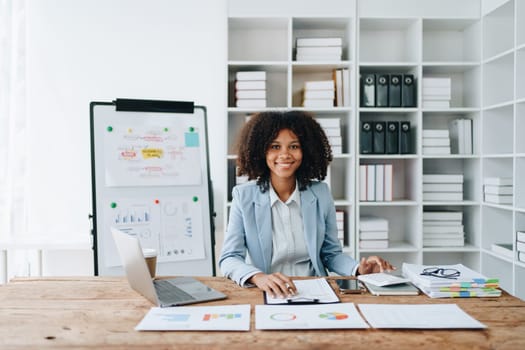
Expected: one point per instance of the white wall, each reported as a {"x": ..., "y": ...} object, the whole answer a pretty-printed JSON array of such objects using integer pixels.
[{"x": 97, "y": 50}]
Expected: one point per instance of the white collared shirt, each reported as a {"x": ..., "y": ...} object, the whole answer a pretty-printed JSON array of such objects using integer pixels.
[{"x": 290, "y": 253}]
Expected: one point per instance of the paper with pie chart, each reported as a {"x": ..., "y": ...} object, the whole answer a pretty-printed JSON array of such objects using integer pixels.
[{"x": 324, "y": 316}]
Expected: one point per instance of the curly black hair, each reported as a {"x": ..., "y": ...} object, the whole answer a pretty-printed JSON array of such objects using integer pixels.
[{"x": 262, "y": 128}]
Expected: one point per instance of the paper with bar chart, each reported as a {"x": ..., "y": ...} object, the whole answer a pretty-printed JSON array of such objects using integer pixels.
[{"x": 197, "y": 318}]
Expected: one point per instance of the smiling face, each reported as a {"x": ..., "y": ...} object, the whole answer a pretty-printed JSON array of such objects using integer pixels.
[{"x": 284, "y": 156}]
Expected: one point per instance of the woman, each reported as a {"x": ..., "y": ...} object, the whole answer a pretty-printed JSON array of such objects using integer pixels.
[{"x": 283, "y": 223}]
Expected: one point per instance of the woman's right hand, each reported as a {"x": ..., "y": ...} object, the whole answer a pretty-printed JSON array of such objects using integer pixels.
[{"x": 275, "y": 284}]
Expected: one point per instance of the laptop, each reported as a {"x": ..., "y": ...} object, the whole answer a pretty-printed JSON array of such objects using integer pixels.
[{"x": 164, "y": 292}]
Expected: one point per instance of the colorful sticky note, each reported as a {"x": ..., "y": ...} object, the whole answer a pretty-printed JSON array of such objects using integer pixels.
[{"x": 191, "y": 139}]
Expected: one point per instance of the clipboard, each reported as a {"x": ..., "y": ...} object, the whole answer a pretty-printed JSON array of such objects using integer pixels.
[{"x": 309, "y": 291}]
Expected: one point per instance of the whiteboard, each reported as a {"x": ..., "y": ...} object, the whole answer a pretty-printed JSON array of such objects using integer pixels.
[{"x": 150, "y": 179}]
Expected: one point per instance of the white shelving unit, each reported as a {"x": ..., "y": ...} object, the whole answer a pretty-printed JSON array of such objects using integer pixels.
[
  {"x": 420, "y": 44},
  {"x": 267, "y": 42},
  {"x": 503, "y": 124},
  {"x": 483, "y": 53}
]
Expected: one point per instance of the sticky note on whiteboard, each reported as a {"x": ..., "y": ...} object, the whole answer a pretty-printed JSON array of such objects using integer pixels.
[{"x": 191, "y": 139}]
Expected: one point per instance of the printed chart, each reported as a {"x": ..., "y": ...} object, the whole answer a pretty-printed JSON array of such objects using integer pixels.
[
  {"x": 209, "y": 318},
  {"x": 323, "y": 316}
]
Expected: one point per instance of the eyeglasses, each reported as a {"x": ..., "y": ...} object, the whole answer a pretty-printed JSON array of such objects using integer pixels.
[{"x": 441, "y": 273}]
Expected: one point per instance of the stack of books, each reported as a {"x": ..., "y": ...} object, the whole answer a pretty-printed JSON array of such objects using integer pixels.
[
  {"x": 436, "y": 92},
  {"x": 373, "y": 232},
  {"x": 332, "y": 129},
  {"x": 461, "y": 136},
  {"x": 443, "y": 229},
  {"x": 340, "y": 219},
  {"x": 436, "y": 141},
  {"x": 442, "y": 187},
  {"x": 376, "y": 182},
  {"x": 451, "y": 281},
  {"x": 319, "y": 94},
  {"x": 342, "y": 86},
  {"x": 498, "y": 190},
  {"x": 520, "y": 245},
  {"x": 319, "y": 49},
  {"x": 250, "y": 89}
]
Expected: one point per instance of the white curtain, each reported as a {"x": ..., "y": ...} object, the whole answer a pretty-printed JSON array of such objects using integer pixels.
[{"x": 13, "y": 121}]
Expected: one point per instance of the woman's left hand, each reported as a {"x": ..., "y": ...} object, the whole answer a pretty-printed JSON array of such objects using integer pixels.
[{"x": 374, "y": 264}]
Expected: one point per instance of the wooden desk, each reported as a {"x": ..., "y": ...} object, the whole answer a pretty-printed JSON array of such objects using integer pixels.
[{"x": 101, "y": 312}]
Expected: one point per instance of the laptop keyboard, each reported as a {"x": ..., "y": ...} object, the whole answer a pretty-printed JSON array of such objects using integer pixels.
[{"x": 167, "y": 292}]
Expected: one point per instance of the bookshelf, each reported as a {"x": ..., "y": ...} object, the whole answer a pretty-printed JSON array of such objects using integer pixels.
[
  {"x": 479, "y": 46},
  {"x": 268, "y": 43},
  {"x": 503, "y": 124}
]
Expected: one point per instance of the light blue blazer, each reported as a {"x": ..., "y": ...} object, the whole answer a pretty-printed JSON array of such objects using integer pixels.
[{"x": 250, "y": 231}]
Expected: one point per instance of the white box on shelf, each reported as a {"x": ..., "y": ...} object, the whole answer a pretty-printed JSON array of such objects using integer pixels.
[
  {"x": 250, "y": 103},
  {"x": 389, "y": 182},
  {"x": 442, "y": 178},
  {"x": 250, "y": 85},
  {"x": 442, "y": 215},
  {"x": 498, "y": 198},
  {"x": 363, "y": 186},
  {"x": 318, "y": 103},
  {"x": 251, "y": 75},
  {"x": 373, "y": 244},
  {"x": 380, "y": 182},
  {"x": 442, "y": 229},
  {"x": 305, "y": 42},
  {"x": 444, "y": 242},
  {"x": 440, "y": 187},
  {"x": 504, "y": 249},
  {"x": 259, "y": 94},
  {"x": 494, "y": 189},
  {"x": 436, "y": 142},
  {"x": 319, "y": 85},
  {"x": 319, "y": 94},
  {"x": 498, "y": 181},
  {"x": 442, "y": 196},
  {"x": 373, "y": 234},
  {"x": 373, "y": 223}
]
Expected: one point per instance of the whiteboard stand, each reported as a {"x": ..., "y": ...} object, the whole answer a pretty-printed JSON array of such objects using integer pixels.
[{"x": 151, "y": 179}]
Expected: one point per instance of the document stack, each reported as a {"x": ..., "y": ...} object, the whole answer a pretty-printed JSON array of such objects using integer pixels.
[
  {"x": 520, "y": 245},
  {"x": 451, "y": 281},
  {"x": 436, "y": 92},
  {"x": 373, "y": 232},
  {"x": 319, "y": 49},
  {"x": 461, "y": 136},
  {"x": 250, "y": 89},
  {"x": 436, "y": 141},
  {"x": 442, "y": 187},
  {"x": 376, "y": 182},
  {"x": 340, "y": 219},
  {"x": 319, "y": 94},
  {"x": 332, "y": 129},
  {"x": 498, "y": 190},
  {"x": 443, "y": 229}
]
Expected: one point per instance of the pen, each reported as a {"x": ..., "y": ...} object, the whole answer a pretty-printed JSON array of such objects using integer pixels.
[{"x": 302, "y": 300}]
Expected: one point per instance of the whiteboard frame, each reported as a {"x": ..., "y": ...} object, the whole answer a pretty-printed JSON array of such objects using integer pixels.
[{"x": 100, "y": 192}]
